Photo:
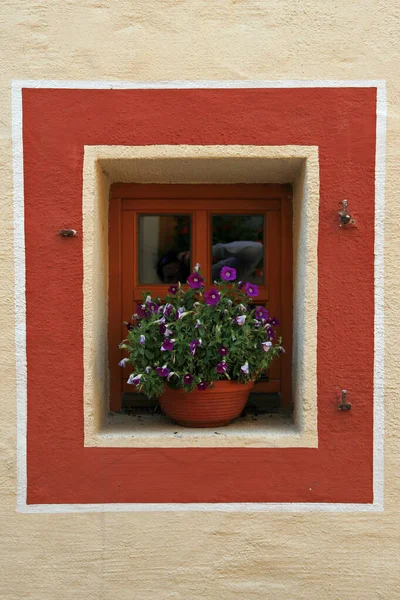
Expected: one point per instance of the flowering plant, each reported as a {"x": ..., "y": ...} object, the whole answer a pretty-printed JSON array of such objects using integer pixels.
[{"x": 194, "y": 337}]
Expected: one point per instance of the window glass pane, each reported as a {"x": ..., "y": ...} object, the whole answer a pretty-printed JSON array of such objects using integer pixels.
[
  {"x": 164, "y": 248},
  {"x": 238, "y": 242}
]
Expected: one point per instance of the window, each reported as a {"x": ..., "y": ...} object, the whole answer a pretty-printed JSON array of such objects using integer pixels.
[{"x": 158, "y": 232}]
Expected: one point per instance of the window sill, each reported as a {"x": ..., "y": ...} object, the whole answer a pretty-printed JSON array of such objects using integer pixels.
[{"x": 157, "y": 431}]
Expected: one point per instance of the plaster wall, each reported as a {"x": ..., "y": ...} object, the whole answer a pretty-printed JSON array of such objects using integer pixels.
[{"x": 193, "y": 555}]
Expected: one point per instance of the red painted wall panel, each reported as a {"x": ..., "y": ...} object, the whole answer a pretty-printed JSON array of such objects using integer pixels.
[{"x": 56, "y": 126}]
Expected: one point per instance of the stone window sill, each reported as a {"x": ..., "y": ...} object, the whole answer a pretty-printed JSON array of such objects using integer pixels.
[{"x": 157, "y": 431}]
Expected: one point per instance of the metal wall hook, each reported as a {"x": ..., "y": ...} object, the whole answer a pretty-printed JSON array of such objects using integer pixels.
[
  {"x": 344, "y": 217},
  {"x": 344, "y": 404},
  {"x": 68, "y": 232}
]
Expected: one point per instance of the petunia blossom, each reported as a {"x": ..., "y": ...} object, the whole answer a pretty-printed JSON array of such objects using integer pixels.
[
  {"x": 188, "y": 379},
  {"x": 142, "y": 340},
  {"x": 141, "y": 311},
  {"x": 245, "y": 368},
  {"x": 135, "y": 379},
  {"x": 223, "y": 350},
  {"x": 195, "y": 281},
  {"x": 164, "y": 330},
  {"x": 202, "y": 386},
  {"x": 228, "y": 273},
  {"x": 266, "y": 346},
  {"x": 167, "y": 345},
  {"x": 129, "y": 326},
  {"x": 153, "y": 307},
  {"x": 261, "y": 313},
  {"x": 240, "y": 320},
  {"x": 222, "y": 367},
  {"x": 193, "y": 345},
  {"x": 251, "y": 290},
  {"x": 123, "y": 362},
  {"x": 198, "y": 324},
  {"x": 168, "y": 308},
  {"x": 162, "y": 371},
  {"x": 212, "y": 297},
  {"x": 173, "y": 289},
  {"x": 197, "y": 267}
]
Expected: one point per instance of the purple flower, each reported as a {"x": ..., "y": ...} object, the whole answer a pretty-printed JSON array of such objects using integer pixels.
[
  {"x": 222, "y": 367},
  {"x": 168, "y": 308},
  {"x": 188, "y": 379},
  {"x": 242, "y": 307},
  {"x": 257, "y": 324},
  {"x": 180, "y": 312},
  {"x": 251, "y": 290},
  {"x": 266, "y": 346},
  {"x": 228, "y": 274},
  {"x": 134, "y": 379},
  {"x": 129, "y": 326},
  {"x": 202, "y": 386},
  {"x": 141, "y": 311},
  {"x": 153, "y": 307},
  {"x": 164, "y": 330},
  {"x": 245, "y": 368},
  {"x": 195, "y": 281},
  {"x": 240, "y": 285},
  {"x": 173, "y": 289},
  {"x": 198, "y": 324},
  {"x": 222, "y": 350},
  {"x": 193, "y": 345},
  {"x": 162, "y": 371},
  {"x": 142, "y": 340},
  {"x": 123, "y": 362},
  {"x": 261, "y": 313},
  {"x": 273, "y": 321},
  {"x": 167, "y": 345},
  {"x": 212, "y": 297},
  {"x": 240, "y": 320}
]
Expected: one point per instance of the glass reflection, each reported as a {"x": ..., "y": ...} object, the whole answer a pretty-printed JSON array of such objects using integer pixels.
[
  {"x": 164, "y": 248},
  {"x": 238, "y": 242}
]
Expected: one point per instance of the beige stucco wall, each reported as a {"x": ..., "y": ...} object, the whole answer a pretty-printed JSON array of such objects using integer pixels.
[{"x": 199, "y": 555}]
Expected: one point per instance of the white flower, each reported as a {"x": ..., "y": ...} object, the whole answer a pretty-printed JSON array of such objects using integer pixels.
[
  {"x": 148, "y": 299},
  {"x": 240, "y": 320},
  {"x": 197, "y": 267},
  {"x": 242, "y": 308},
  {"x": 123, "y": 362},
  {"x": 135, "y": 379},
  {"x": 148, "y": 369},
  {"x": 142, "y": 340},
  {"x": 266, "y": 346},
  {"x": 245, "y": 368}
]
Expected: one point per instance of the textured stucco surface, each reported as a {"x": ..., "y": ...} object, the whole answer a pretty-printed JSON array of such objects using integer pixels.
[{"x": 196, "y": 555}]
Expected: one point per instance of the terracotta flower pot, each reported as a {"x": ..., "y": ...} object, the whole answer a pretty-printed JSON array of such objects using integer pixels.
[{"x": 212, "y": 407}]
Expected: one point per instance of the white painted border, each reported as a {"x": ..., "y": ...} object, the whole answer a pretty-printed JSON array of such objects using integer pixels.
[{"x": 20, "y": 301}]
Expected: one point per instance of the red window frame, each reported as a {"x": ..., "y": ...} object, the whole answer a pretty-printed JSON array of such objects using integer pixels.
[{"x": 128, "y": 201}]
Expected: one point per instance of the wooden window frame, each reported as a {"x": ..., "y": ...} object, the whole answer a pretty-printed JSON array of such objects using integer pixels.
[{"x": 199, "y": 201}]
